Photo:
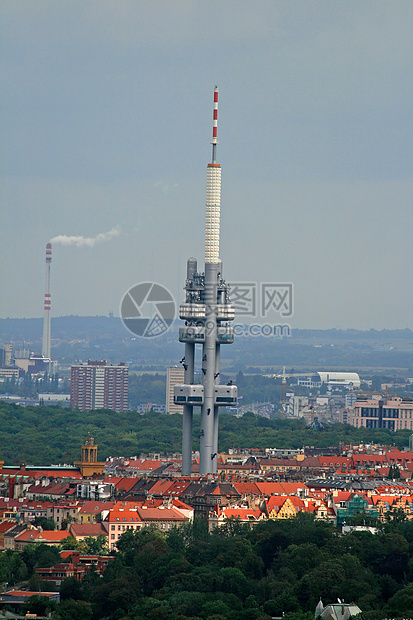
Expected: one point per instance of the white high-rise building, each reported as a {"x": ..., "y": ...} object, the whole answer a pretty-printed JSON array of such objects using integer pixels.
[
  {"x": 96, "y": 385},
  {"x": 174, "y": 376}
]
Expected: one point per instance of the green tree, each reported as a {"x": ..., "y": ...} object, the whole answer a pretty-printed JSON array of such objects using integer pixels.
[
  {"x": 44, "y": 523},
  {"x": 70, "y": 588},
  {"x": 72, "y": 544},
  {"x": 402, "y": 602},
  {"x": 97, "y": 545},
  {"x": 40, "y": 605},
  {"x": 74, "y": 610},
  {"x": 119, "y": 593}
]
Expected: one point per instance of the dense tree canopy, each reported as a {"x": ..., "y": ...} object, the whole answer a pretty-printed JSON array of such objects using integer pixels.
[
  {"x": 49, "y": 434},
  {"x": 235, "y": 572}
]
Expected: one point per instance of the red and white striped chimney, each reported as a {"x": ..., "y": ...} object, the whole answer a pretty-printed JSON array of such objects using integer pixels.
[{"x": 47, "y": 306}]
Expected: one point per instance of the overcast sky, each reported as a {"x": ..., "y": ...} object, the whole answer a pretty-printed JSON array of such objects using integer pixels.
[{"x": 106, "y": 126}]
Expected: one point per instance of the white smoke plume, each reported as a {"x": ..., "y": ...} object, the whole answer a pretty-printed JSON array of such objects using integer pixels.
[{"x": 90, "y": 242}]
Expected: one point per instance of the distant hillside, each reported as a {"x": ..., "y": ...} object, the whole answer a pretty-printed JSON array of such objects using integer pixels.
[
  {"x": 100, "y": 337},
  {"x": 47, "y": 434}
]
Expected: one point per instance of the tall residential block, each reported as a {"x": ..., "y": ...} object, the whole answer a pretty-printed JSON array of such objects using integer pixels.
[
  {"x": 174, "y": 376},
  {"x": 96, "y": 385}
]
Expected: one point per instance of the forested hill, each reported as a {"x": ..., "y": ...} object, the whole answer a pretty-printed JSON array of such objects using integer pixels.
[
  {"x": 52, "y": 435},
  {"x": 73, "y": 326},
  {"x": 100, "y": 337},
  {"x": 278, "y": 568}
]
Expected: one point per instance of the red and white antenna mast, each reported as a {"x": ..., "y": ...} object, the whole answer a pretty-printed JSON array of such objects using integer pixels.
[
  {"x": 47, "y": 306},
  {"x": 214, "y": 140},
  {"x": 213, "y": 195}
]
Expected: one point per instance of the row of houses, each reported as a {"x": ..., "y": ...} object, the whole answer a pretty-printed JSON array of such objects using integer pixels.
[
  {"x": 166, "y": 504},
  {"x": 258, "y": 465},
  {"x": 108, "y": 519}
]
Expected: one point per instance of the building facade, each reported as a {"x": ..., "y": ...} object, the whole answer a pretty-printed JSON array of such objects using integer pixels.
[
  {"x": 174, "y": 376},
  {"x": 393, "y": 412},
  {"x": 96, "y": 385}
]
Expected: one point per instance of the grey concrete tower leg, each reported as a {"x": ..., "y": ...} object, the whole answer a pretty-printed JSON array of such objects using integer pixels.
[
  {"x": 188, "y": 412},
  {"x": 216, "y": 410},
  {"x": 208, "y": 365}
]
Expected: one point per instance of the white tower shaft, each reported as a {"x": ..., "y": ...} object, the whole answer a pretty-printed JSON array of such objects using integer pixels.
[{"x": 213, "y": 213}]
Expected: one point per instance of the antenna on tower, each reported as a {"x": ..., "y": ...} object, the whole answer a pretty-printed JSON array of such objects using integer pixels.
[{"x": 214, "y": 140}]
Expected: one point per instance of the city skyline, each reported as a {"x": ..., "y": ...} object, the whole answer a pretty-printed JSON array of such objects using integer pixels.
[{"x": 106, "y": 126}]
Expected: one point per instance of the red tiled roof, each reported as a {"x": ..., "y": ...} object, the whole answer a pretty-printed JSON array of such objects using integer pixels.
[
  {"x": 239, "y": 513},
  {"x": 177, "y": 488},
  {"x": 160, "y": 514},
  {"x": 292, "y": 488},
  {"x": 123, "y": 514},
  {"x": 44, "y": 536},
  {"x": 95, "y": 507},
  {"x": 334, "y": 461},
  {"x": 246, "y": 488},
  {"x": 86, "y": 529},
  {"x": 142, "y": 465},
  {"x": 270, "y": 488},
  {"x": 5, "y": 526},
  {"x": 41, "y": 473},
  {"x": 161, "y": 487}
]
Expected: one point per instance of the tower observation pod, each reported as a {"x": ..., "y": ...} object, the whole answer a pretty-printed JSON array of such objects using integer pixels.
[{"x": 207, "y": 313}]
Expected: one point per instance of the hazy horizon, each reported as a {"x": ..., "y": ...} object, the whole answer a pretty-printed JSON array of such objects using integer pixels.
[{"x": 106, "y": 129}]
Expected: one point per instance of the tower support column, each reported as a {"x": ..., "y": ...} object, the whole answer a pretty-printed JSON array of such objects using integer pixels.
[
  {"x": 188, "y": 412},
  {"x": 208, "y": 369}
]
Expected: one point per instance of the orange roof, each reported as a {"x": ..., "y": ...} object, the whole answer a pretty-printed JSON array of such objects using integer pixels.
[
  {"x": 28, "y": 593},
  {"x": 239, "y": 513},
  {"x": 142, "y": 465},
  {"x": 122, "y": 483},
  {"x": 178, "y": 487},
  {"x": 342, "y": 496},
  {"x": 334, "y": 461},
  {"x": 7, "y": 525},
  {"x": 123, "y": 514},
  {"x": 246, "y": 488},
  {"x": 160, "y": 513},
  {"x": 95, "y": 507},
  {"x": 276, "y": 501},
  {"x": 87, "y": 529},
  {"x": 291, "y": 488},
  {"x": 44, "y": 536},
  {"x": 382, "y": 498},
  {"x": 155, "y": 502},
  {"x": 270, "y": 488},
  {"x": 369, "y": 458},
  {"x": 41, "y": 473},
  {"x": 160, "y": 487},
  {"x": 180, "y": 504}
]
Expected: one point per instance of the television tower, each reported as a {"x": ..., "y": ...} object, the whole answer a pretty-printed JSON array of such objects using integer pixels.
[
  {"x": 207, "y": 312},
  {"x": 47, "y": 307}
]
